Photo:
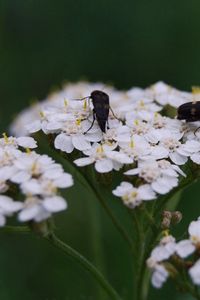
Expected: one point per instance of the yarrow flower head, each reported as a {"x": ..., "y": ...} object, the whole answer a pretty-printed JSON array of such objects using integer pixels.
[
  {"x": 141, "y": 138},
  {"x": 37, "y": 177}
]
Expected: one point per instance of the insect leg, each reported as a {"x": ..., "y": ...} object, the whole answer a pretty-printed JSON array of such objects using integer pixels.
[
  {"x": 114, "y": 114},
  {"x": 91, "y": 124},
  {"x": 197, "y": 129}
]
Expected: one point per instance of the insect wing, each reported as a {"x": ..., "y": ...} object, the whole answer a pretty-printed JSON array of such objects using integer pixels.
[{"x": 101, "y": 109}]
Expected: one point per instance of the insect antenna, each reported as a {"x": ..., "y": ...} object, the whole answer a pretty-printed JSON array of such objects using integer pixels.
[{"x": 80, "y": 99}]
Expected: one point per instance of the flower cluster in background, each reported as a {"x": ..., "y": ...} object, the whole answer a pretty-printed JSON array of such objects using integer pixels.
[
  {"x": 33, "y": 178},
  {"x": 144, "y": 142},
  {"x": 176, "y": 259}
]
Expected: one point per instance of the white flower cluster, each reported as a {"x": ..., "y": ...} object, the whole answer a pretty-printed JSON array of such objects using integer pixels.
[
  {"x": 161, "y": 256},
  {"x": 36, "y": 177},
  {"x": 142, "y": 139}
]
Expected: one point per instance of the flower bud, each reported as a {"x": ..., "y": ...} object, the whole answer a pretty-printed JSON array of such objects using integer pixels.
[
  {"x": 42, "y": 228},
  {"x": 176, "y": 217},
  {"x": 167, "y": 214},
  {"x": 165, "y": 224}
]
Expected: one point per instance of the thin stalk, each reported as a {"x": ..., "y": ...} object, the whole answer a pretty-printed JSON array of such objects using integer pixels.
[
  {"x": 85, "y": 264},
  {"x": 151, "y": 220},
  {"x": 140, "y": 248},
  {"x": 15, "y": 229},
  {"x": 74, "y": 255},
  {"x": 141, "y": 265},
  {"x": 121, "y": 229},
  {"x": 106, "y": 207},
  {"x": 97, "y": 241}
]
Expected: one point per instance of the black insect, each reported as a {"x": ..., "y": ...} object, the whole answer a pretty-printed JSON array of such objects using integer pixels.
[
  {"x": 190, "y": 111},
  {"x": 100, "y": 101}
]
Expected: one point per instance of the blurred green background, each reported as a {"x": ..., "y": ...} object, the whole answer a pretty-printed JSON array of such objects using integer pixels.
[{"x": 127, "y": 43}]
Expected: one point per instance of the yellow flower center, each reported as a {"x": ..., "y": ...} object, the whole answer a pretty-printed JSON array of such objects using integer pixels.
[
  {"x": 165, "y": 232},
  {"x": 155, "y": 115},
  {"x": 136, "y": 122},
  {"x": 85, "y": 104},
  {"x": 132, "y": 144},
  {"x": 100, "y": 149},
  {"x": 133, "y": 194},
  {"x": 78, "y": 121},
  {"x": 34, "y": 168},
  {"x": 195, "y": 90},
  {"x": 5, "y": 138},
  {"x": 41, "y": 114},
  {"x": 65, "y": 103},
  {"x": 141, "y": 103},
  {"x": 28, "y": 151}
]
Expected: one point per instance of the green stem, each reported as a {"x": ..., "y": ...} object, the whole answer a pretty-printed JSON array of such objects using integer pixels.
[
  {"x": 85, "y": 264},
  {"x": 74, "y": 255},
  {"x": 141, "y": 263},
  {"x": 96, "y": 240},
  {"x": 106, "y": 207},
  {"x": 145, "y": 284},
  {"x": 121, "y": 229},
  {"x": 151, "y": 220},
  {"x": 15, "y": 229}
]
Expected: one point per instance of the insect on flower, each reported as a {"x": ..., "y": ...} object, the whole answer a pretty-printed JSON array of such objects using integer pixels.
[
  {"x": 100, "y": 101},
  {"x": 190, "y": 111}
]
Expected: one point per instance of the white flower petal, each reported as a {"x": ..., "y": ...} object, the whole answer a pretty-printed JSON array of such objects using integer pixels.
[
  {"x": 81, "y": 162},
  {"x": 195, "y": 158},
  {"x": 20, "y": 177},
  {"x": 64, "y": 143},
  {"x": 120, "y": 157},
  {"x": 164, "y": 185},
  {"x": 159, "y": 152},
  {"x": 184, "y": 248},
  {"x": 32, "y": 186},
  {"x": 7, "y": 172},
  {"x": 27, "y": 142},
  {"x": 159, "y": 276},
  {"x": 42, "y": 215},
  {"x": 53, "y": 126},
  {"x": 194, "y": 272},
  {"x": 54, "y": 204},
  {"x": 79, "y": 141},
  {"x": 122, "y": 189},
  {"x": 29, "y": 213},
  {"x": 146, "y": 192},
  {"x": 34, "y": 126},
  {"x": 178, "y": 170},
  {"x": 104, "y": 165},
  {"x": 64, "y": 181},
  {"x": 194, "y": 229},
  {"x": 177, "y": 158},
  {"x": 132, "y": 171},
  {"x": 2, "y": 220},
  {"x": 8, "y": 205},
  {"x": 93, "y": 137}
]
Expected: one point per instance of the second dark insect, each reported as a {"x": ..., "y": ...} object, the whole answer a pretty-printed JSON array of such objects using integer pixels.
[{"x": 190, "y": 112}]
